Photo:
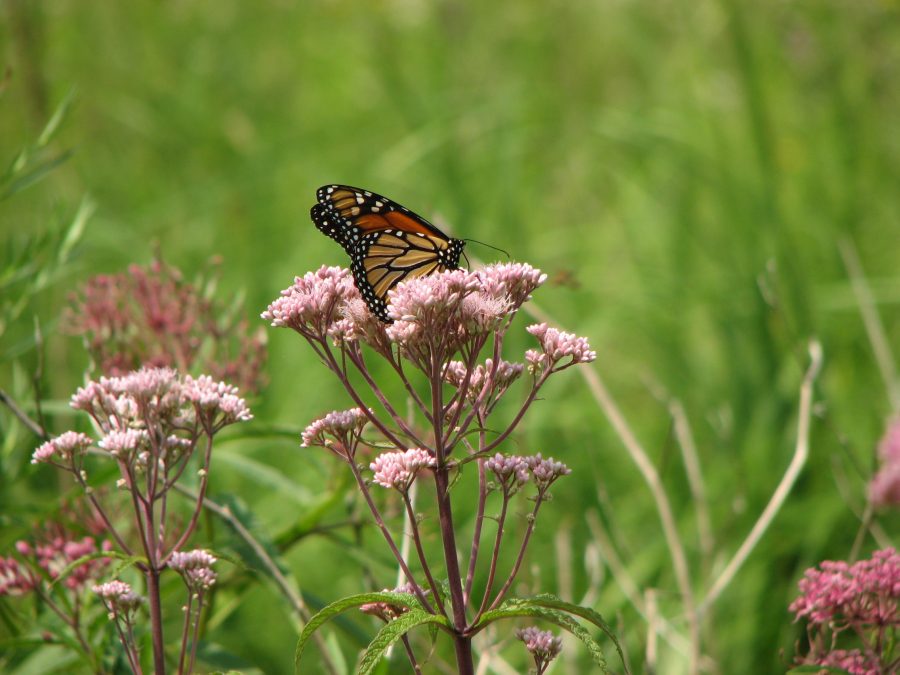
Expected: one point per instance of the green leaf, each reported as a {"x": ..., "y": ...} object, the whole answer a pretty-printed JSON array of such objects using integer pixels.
[
  {"x": 393, "y": 631},
  {"x": 56, "y": 119},
  {"x": 817, "y": 669},
  {"x": 339, "y": 607},
  {"x": 521, "y": 608},
  {"x": 127, "y": 561},
  {"x": 266, "y": 476}
]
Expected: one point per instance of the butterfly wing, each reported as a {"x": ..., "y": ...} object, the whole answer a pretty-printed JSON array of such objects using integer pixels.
[
  {"x": 387, "y": 242},
  {"x": 384, "y": 258}
]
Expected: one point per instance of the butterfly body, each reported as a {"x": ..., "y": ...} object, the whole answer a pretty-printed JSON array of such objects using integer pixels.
[{"x": 387, "y": 243}]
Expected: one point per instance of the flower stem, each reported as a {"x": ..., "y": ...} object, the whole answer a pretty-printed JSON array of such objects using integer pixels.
[
  {"x": 159, "y": 654},
  {"x": 462, "y": 644}
]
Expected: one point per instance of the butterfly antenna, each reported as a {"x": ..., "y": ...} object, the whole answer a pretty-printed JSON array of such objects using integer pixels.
[
  {"x": 468, "y": 264},
  {"x": 475, "y": 241}
]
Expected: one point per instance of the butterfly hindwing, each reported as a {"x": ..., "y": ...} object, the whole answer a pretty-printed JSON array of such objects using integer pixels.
[{"x": 387, "y": 242}]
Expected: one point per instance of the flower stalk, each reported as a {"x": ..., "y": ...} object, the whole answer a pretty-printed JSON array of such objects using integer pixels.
[{"x": 441, "y": 325}]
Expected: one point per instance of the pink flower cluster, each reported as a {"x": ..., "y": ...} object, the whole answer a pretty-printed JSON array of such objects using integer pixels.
[
  {"x": 510, "y": 471},
  {"x": 16, "y": 578},
  {"x": 54, "y": 553},
  {"x": 884, "y": 490},
  {"x": 398, "y": 469},
  {"x": 852, "y": 660},
  {"x": 150, "y": 316},
  {"x": 448, "y": 308},
  {"x": 62, "y": 448},
  {"x": 513, "y": 471},
  {"x": 343, "y": 426},
  {"x": 151, "y": 396},
  {"x": 195, "y": 568},
  {"x": 314, "y": 302},
  {"x": 866, "y": 592},
  {"x": 118, "y": 598},
  {"x": 57, "y": 553},
  {"x": 541, "y": 644},
  {"x": 557, "y": 345},
  {"x": 457, "y": 307}
]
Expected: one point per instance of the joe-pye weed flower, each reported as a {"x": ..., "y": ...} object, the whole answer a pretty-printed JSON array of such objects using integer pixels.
[{"x": 444, "y": 344}]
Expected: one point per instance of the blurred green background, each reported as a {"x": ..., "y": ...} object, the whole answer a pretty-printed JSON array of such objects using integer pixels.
[{"x": 686, "y": 172}]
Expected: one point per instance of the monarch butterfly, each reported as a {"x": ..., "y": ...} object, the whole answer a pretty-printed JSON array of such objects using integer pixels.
[{"x": 387, "y": 243}]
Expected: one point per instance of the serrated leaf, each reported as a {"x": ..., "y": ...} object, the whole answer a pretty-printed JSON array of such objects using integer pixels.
[
  {"x": 519, "y": 608},
  {"x": 393, "y": 631},
  {"x": 340, "y": 606}
]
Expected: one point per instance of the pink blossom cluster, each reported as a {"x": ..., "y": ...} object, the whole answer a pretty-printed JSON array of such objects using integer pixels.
[
  {"x": 53, "y": 554},
  {"x": 16, "y": 578},
  {"x": 456, "y": 307},
  {"x": 449, "y": 308},
  {"x": 314, "y": 302},
  {"x": 343, "y": 426},
  {"x": 513, "y": 281},
  {"x": 398, "y": 469},
  {"x": 151, "y": 317},
  {"x": 541, "y": 644},
  {"x": 218, "y": 400},
  {"x": 546, "y": 471},
  {"x": 195, "y": 568},
  {"x": 58, "y": 552},
  {"x": 853, "y": 661},
  {"x": 556, "y": 346},
  {"x": 119, "y": 598},
  {"x": 511, "y": 472},
  {"x": 62, "y": 448},
  {"x": 884, "y": 490},
  {"x": 865, "y": 592}
]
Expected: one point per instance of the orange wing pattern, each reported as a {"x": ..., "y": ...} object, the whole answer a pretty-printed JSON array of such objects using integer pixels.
[{"x": 387, "y": 242}]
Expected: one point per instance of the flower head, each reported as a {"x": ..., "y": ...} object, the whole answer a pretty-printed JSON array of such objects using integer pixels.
[
  {"x": 195, "y": 568},
  {"x": 219, "y": 401},
  {"x": 124, "y": 442},
  {"x": 511, "y": 472},
  {"x": 398, "y": 469},
  {"x": 150, "y": 316},
  {"x": 119, "y": 598},
  {"x": 314, "y": 303},
  {"x": 541, "y": 644},
  {"x": 62, "y": 448},
  {"x": 557, "y": 345},
  {"x": 884, "y": 490},
  {"x": 853, "y": 661},
  {"x": 512, "y": 281},
  {"x": 343, "y": 426},
  {"x": 16, "y": 578},
  {"x": 431, "y": 309},
  {"x": 546, "y": 471},
  {"x": 866, "y": 592}
]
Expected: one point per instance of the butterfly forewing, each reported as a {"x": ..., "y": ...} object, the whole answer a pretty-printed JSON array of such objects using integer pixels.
[{"x": 387, "y": 242}]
